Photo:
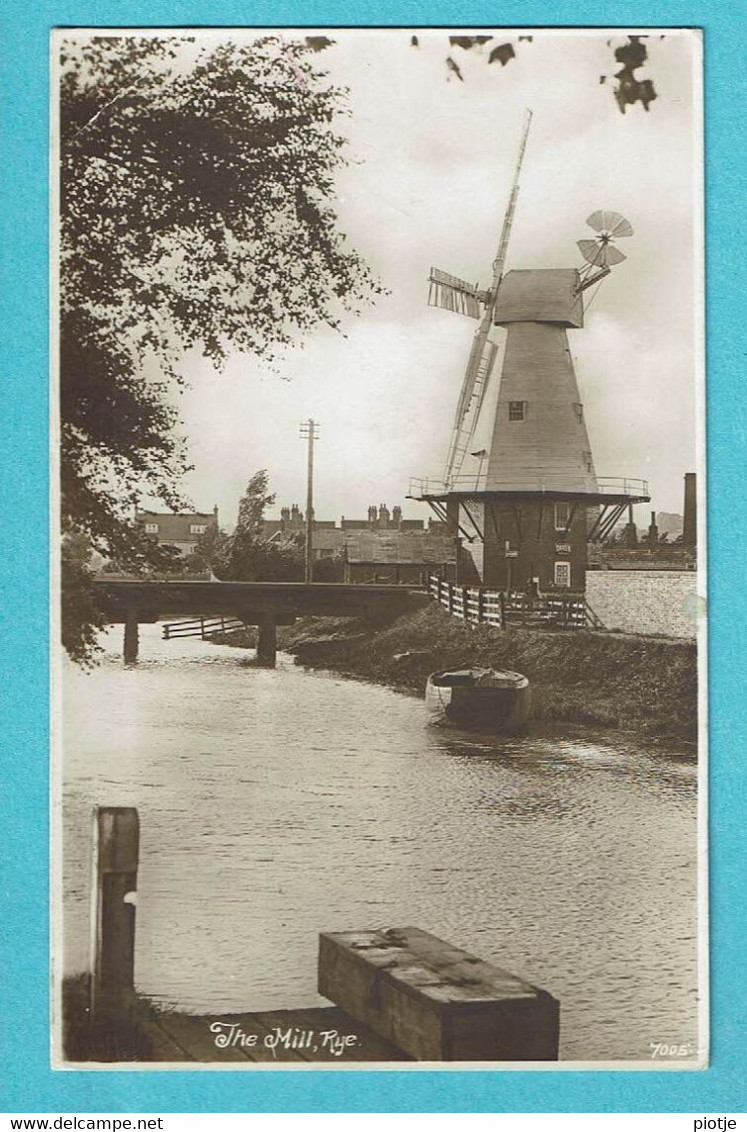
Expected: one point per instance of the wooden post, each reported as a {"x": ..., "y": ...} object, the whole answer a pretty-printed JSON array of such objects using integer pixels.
[
  {"x": 465, "y": 603},
  {"x": 116, "y": 852},
  {"x": 131, "y": 637},
  {"x": 267, "y": 641},
  {"x": 502, "y": 607},
  {"x": 480, "y": 605},
  {"x": 309, "y": 431}
]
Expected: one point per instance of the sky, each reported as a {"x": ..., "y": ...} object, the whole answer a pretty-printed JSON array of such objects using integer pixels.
[{"x": 430, "y": 167}]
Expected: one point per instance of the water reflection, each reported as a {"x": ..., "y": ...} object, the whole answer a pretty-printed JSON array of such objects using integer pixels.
[{"x": 277, "y": 804}]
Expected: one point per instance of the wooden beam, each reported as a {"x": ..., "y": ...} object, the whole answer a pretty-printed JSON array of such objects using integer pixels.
[
  {"x": 473, "y": 522},
  {"x": 604, "y": 508},
  {"x": 434, "y": 1001},
  {"x": 494, "y": 520},
  {"x": 605, "y": 527},
  {"x": 439, "y": 510}
]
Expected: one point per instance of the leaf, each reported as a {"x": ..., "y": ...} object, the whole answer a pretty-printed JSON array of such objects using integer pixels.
[
  {"x": 632, "y": 54},
  {"x": 467, "y": 42},
  {"x": 502, "y": 53},
  {"x": 454, "y": 68},
  {"x": 318, "y": 42},
  {"x": 629, "y": 89}
]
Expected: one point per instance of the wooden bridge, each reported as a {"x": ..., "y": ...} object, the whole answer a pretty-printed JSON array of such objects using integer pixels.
[{"x": 264, "y": 604}]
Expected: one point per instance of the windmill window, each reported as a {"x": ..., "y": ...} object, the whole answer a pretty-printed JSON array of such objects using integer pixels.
[
  {"x": 562, "y": 516},
  {"x": 588, "y": 462},
  {"x": 562, "y": 574},
  {"x": 151, "y": 528},
  {"x": 197, "y": 528},
  {"x": 517, "y": 410},
  {"x": 579, "y": 411}
]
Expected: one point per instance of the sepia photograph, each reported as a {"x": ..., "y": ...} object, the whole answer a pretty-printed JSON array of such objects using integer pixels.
[{"x": 378, "y": 521}]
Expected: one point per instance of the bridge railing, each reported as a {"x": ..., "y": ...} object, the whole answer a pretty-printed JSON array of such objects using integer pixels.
[{"x": 481, "y": 605}]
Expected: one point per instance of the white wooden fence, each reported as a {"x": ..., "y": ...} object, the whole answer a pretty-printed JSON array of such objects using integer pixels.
[{"x": 479, "y": 605}]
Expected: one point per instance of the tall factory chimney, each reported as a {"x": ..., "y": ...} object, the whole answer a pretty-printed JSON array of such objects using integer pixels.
[{"x": 690, "y": 521}]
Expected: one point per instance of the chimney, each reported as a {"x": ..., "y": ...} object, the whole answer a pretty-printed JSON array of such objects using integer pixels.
[
  {"x": 653, "y": 533},
  {"x": 396, "y": 515},
  {"x": 296, "y": 515},
  {"x": 372, "y": 516},
  {"x": 285, "y": 514},
  {"x": 383, "y": 515},
  {"x": 630, "y": 534},
  {"x": 690, "y": 520}
]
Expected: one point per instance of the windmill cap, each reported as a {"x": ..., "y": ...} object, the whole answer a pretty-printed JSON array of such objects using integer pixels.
[{"x": 546, "y": 295}]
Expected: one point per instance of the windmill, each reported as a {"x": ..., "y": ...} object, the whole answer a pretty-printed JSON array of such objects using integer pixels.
[{"x": 535, "y": 488}]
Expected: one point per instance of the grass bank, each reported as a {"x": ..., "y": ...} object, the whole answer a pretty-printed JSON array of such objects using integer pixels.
[{"x": 645, "y": 684}]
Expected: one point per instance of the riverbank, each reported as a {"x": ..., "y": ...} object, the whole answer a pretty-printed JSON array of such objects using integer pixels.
[{"x": 643, "y": 684}]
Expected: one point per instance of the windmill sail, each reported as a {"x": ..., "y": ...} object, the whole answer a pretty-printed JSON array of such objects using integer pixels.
[
  {"x": 613, "y": 223},
  {"x": 481, "y": 358},
  {"x": 479, "y": 366},
  {"x": 482, "y": 354},
  {"x": 453, "y": 294},
  {"x": 600, "y": 254}
]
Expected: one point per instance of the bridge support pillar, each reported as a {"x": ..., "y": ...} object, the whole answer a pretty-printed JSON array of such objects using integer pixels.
[
  {"x": 131, "y": 637},
  {"x": 267, "y": 641}
]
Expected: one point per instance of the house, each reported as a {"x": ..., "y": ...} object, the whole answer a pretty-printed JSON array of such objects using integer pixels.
[
  {"x": 382, "y": 548},
  {"x": 181, "y": 530},
  {"x": 397, "y": 557}
]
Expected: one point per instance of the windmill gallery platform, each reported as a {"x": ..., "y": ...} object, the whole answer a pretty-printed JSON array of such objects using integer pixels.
[{"x": 264, "y": 604}]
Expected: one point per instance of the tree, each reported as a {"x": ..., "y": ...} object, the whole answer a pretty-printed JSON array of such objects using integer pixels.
[
  {"x": 242, "y": 555},
  {"x": 209, "y": 551},
  {"x": 627, "y": 90},
  {"x": 81, "y": 620},
  {"x": 195, "y": 212},
  {"x": 245, "y": 555}
]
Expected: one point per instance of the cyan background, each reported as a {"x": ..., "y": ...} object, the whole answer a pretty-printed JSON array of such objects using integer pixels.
[{"x": 29, "y": 1083}]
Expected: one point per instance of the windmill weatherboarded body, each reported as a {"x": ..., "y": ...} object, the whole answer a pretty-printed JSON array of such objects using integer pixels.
[{"x": 524, "y": 506}]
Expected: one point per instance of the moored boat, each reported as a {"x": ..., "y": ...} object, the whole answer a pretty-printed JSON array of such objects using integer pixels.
[{"x": 483, "y": 698}]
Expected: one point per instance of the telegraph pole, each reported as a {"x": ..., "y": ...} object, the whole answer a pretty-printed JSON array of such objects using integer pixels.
[{"x": 310, "y": 433}]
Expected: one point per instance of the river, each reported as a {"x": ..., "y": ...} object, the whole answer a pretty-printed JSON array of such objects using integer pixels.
[{"x": 278, "y": 804}]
